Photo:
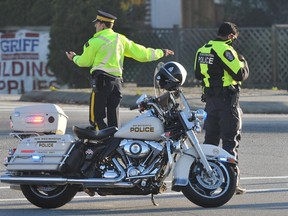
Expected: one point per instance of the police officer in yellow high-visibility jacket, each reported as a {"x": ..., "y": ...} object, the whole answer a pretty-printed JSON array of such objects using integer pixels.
[
  {"x": 221, "y": 71},
  {"x": 105, "y": 53}
]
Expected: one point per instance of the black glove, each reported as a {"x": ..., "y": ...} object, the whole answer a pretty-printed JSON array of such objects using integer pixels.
[{"x": 241, "y": 57}]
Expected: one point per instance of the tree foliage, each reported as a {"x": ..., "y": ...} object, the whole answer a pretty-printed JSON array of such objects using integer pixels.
[
  {"x": 256, "y": 13},
  {"x": 26, "y": 12},
  {"x": 71, "y": 28}
]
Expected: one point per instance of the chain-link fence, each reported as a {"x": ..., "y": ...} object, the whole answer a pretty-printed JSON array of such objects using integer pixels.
[{"x": 264, "y": 48}]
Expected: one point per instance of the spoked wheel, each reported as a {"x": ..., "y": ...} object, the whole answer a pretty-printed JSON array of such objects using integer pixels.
[
  {"x": 212, "y": 191},
  {"x": 49, "y": 196}
]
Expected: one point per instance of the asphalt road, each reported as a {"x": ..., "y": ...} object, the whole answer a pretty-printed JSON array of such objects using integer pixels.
[{"x": 263, "y": 162}]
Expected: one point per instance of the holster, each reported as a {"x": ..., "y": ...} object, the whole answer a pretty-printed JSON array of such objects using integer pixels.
[
  {"x": 234, "y": 93},
  {"x": 230, "y": 93},
  {"x": 235, "y": 100},
  {"x": 99, "y": 78},
  {"x": 211, "y": 92},
  {"x": 94, "y": 83}
]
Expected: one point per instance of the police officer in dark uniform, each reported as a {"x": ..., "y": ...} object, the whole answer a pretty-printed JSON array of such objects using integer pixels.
[
  {"x": 104, "y": 53},
  {"x": 221, "y": 70}
]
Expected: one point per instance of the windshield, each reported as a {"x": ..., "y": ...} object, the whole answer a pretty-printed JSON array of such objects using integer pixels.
[{"x": 158, "y": 91}]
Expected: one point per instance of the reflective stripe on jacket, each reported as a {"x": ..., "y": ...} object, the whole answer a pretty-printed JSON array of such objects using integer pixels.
[{"x": 106, "y": 50}]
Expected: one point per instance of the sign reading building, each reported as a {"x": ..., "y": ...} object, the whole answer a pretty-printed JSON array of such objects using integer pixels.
[{"x": 23, "y": 62}]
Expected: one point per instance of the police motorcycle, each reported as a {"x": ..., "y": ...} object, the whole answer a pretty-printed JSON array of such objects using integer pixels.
[{"x": 51, "y": 167}]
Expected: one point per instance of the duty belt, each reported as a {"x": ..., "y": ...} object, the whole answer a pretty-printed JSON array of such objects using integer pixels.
[
  {"x": 100, "y": 73},
  {"x": 220, "y": 91}
]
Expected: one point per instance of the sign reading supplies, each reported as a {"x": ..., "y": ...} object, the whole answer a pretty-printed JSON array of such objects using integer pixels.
[{"x": 23, "y": 62}]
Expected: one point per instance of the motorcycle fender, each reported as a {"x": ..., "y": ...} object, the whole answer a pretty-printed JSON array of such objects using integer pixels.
[{"x": 184, "y": 162}]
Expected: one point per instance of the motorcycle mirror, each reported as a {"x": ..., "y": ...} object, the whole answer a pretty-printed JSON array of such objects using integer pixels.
[{"x": 141, "y": 98}]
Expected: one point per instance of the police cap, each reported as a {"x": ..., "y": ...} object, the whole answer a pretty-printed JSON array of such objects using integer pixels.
[
  {"x": 227, "y": 28},
  {"x": 104, "y": 17}
]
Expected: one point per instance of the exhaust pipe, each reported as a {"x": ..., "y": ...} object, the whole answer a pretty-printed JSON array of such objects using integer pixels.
[{"x": 91, "y": 182}]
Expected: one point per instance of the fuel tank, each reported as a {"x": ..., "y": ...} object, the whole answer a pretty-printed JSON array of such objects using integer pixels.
[{"x": 143, "y": 127}]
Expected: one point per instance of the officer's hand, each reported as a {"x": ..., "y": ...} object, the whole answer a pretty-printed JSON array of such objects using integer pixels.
[
  {"x": 241, "y": 57},
  {"x": 168, "y": 52},
  {"x": 70, "y": 55}
]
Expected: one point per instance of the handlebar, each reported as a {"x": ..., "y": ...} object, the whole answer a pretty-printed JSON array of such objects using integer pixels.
[
  {"x": 144, "y": 105},
  {"x": 136, "y": 106}
]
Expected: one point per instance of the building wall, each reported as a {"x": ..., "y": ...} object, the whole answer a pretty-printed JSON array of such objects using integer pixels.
[
  {"x": 166, "y": 13},
  {"x": 201, "y": 13},
  {"x": 184, "y": 13}
]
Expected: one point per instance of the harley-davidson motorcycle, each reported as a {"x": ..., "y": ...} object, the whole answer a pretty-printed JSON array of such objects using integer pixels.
[{"x": 51, "y": 167}]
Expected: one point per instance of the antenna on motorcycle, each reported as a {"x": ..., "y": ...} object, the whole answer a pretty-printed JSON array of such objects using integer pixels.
[{"x": 158, "y": 91}]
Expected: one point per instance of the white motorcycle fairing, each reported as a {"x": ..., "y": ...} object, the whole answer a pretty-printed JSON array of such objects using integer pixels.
[{"x": 180, "y": 175}]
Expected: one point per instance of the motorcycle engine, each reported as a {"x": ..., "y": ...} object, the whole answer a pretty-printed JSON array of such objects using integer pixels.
[
  {"x": 140, "y": 155},
  {"x": 139, "y": 149},
  {"x": 136, "y": 149}
]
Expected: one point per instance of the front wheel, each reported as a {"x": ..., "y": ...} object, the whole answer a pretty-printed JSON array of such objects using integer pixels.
[
  {"x": 47, "y": 196},
  {"x": 208, "y": 191}
]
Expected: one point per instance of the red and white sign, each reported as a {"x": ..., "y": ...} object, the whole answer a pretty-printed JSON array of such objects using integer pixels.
[{"x": 23, "y": 62}]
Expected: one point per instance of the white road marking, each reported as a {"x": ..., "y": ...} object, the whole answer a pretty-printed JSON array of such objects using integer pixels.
[
  {"x": 13, "y": 200},
  {"x": 267, "y": 190},
  {"x": 264, "y": 177}
]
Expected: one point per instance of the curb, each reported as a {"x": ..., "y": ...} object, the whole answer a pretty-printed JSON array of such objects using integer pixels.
[{"x": 257, "y": 104}]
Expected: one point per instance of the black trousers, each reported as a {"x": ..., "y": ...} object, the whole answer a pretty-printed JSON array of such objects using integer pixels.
[
  {"x": 223, "y": 122},
  {"x": 105, "y": 102}
]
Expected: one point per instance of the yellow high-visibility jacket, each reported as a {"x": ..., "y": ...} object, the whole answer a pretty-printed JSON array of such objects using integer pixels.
[
  {"x": 218, "y": 65},
  {"x": 106, "y": 51}
]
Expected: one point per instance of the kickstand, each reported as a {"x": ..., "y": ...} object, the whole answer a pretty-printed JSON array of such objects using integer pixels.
[{"x": 153, "y": 200}]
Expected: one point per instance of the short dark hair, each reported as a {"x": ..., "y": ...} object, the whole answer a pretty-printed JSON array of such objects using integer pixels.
[
  {"x": 108, "y": 24},
  {"x": 227, "y": 28}
]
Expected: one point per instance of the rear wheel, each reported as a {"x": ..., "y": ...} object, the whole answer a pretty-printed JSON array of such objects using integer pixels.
[
  {"x": 49, "y": 196},
  {"x": 213, "y": 191}
]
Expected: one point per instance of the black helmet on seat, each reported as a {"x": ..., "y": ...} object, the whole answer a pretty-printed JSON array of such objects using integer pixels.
[{"x": 171, "y": 75}]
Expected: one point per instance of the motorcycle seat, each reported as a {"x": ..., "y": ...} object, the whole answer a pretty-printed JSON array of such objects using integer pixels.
[{"x": 85, "y": 133}]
